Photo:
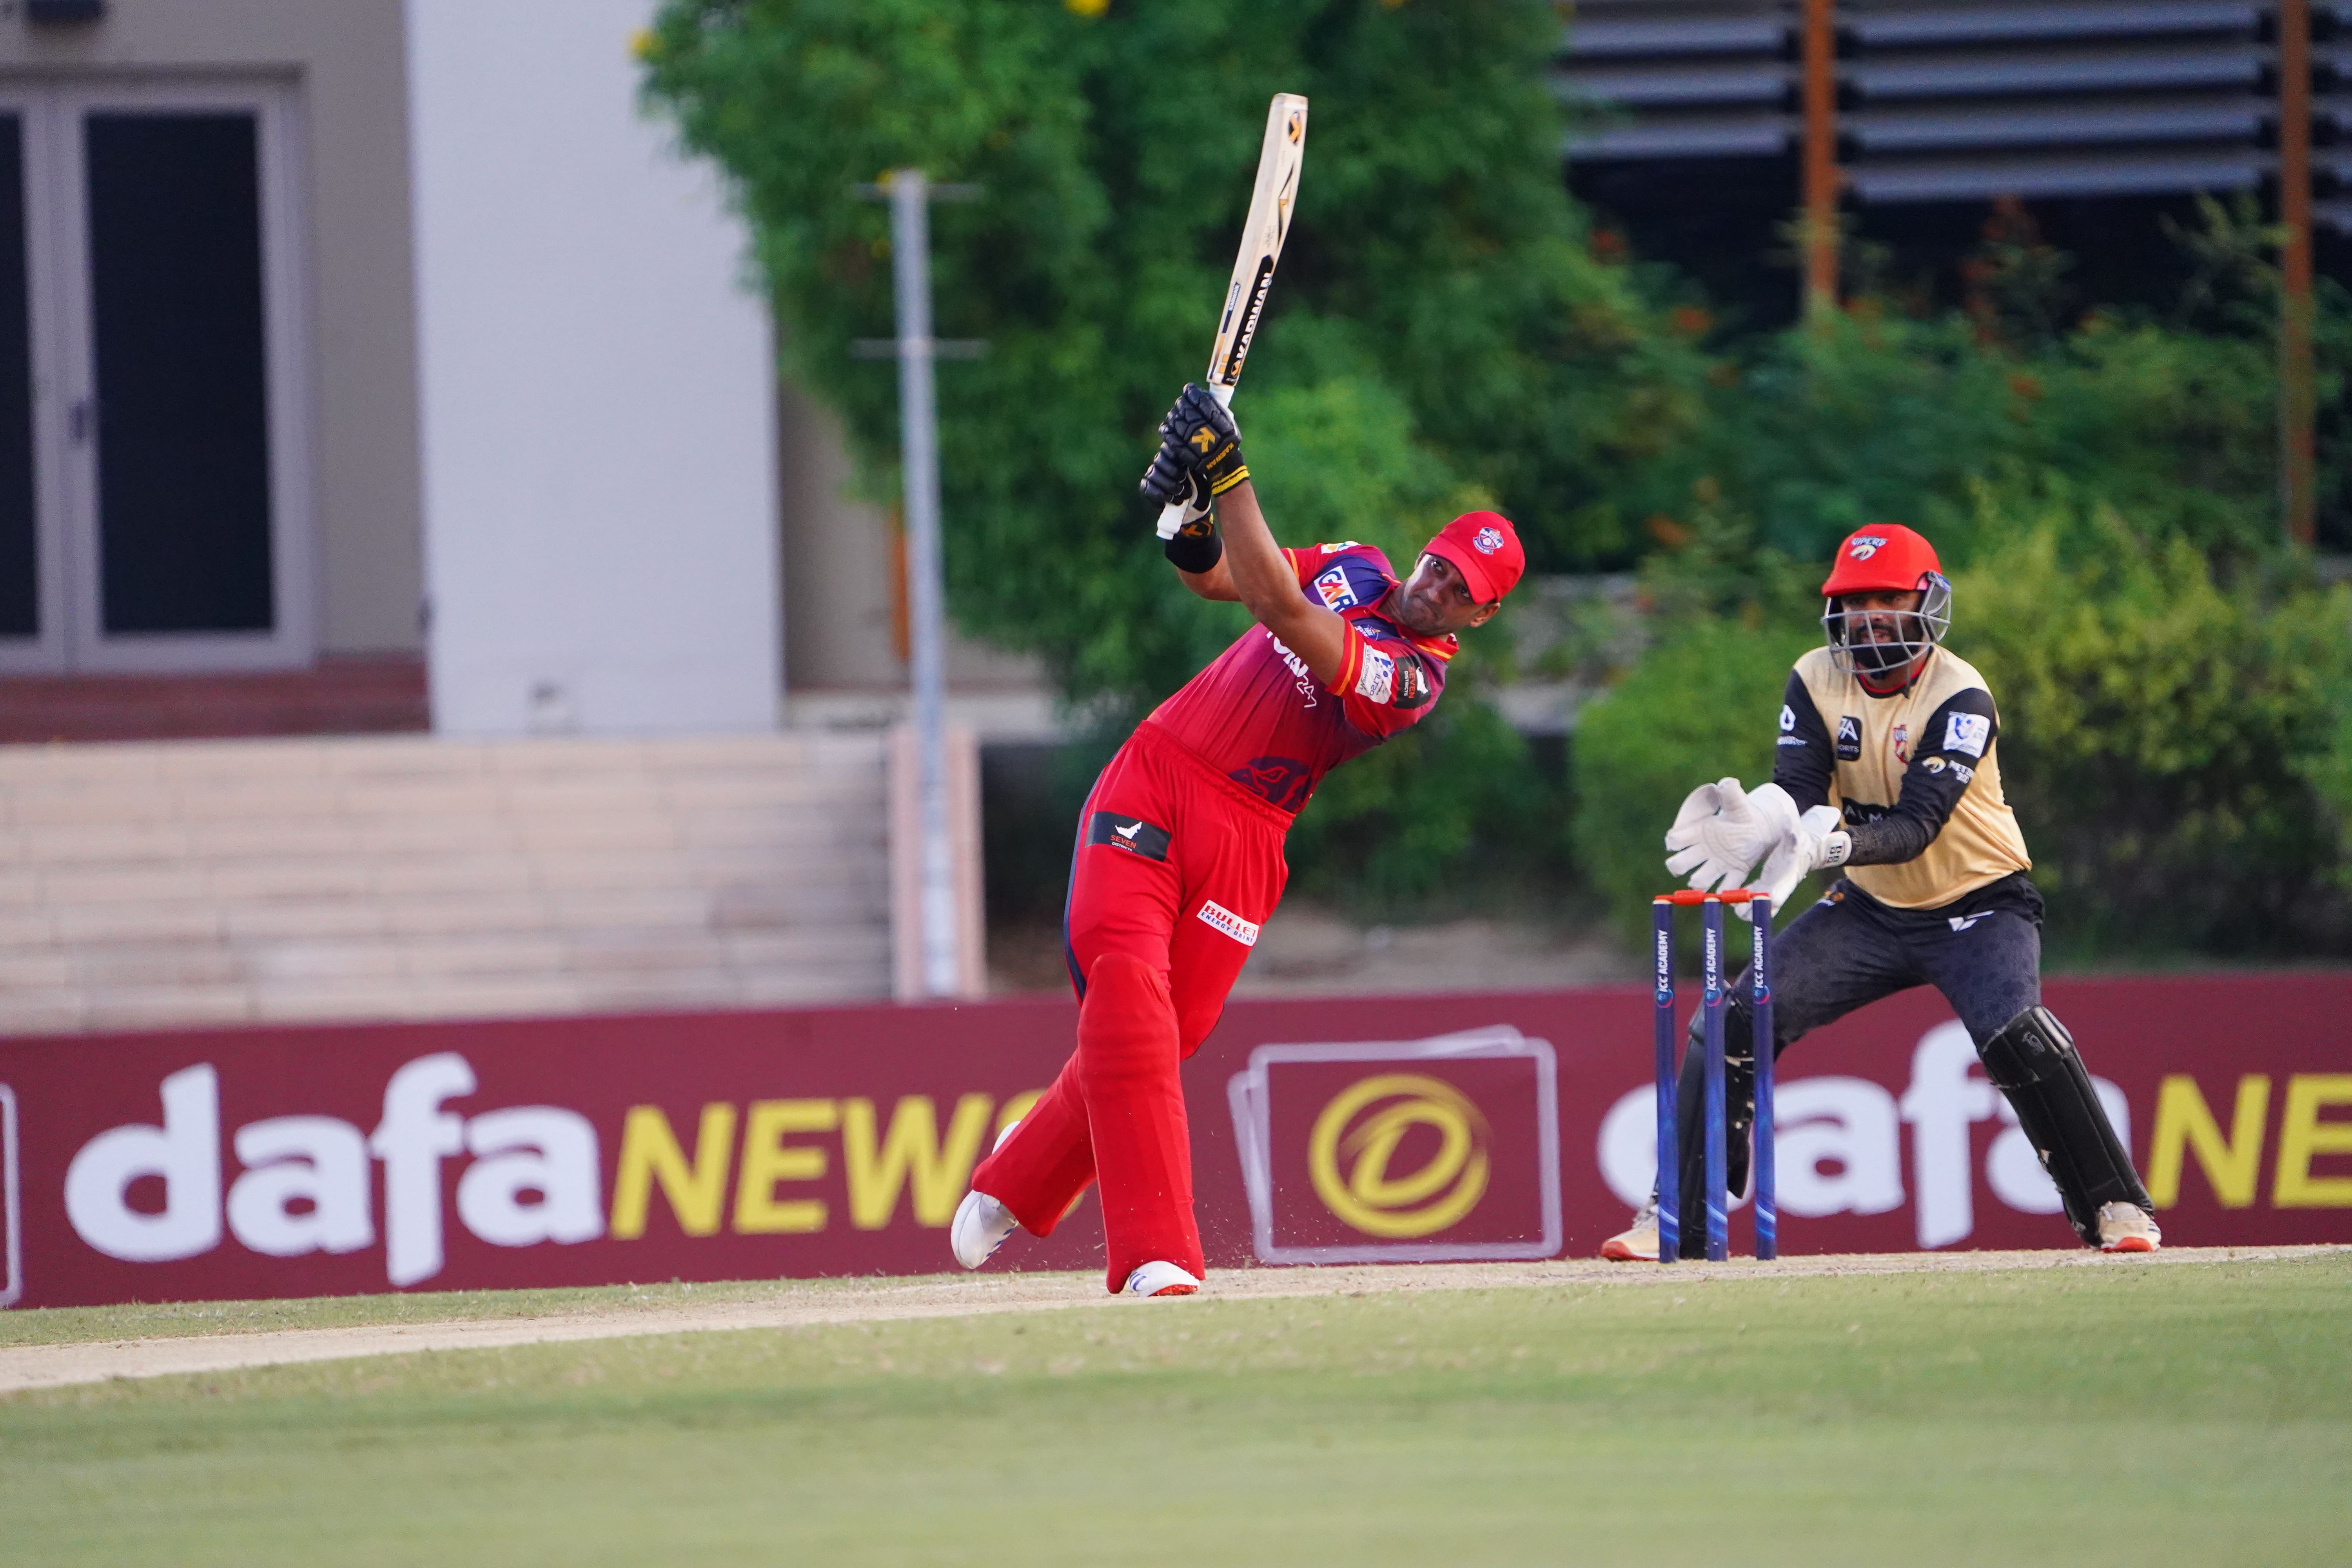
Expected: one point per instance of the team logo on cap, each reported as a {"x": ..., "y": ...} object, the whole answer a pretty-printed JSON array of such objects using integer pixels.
[
  {"x": 1866, "y": 546},
  {"x": 1487, "y": 541}
]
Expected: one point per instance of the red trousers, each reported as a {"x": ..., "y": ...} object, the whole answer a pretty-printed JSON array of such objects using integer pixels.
[{"x": 1176, "y": 871}]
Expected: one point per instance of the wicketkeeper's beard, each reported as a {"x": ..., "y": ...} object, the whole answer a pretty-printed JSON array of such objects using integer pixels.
[{"x": 1872, "y": 658}]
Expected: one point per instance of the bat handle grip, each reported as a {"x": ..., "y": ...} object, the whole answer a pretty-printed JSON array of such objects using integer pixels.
[{"x": 1171, "y": 517}]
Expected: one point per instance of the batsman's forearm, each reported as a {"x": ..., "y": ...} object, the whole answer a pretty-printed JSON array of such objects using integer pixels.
[{"x": 1260, "y": 575}]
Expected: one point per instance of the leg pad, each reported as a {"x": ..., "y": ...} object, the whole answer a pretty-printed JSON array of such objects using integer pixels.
[{"x": 2031, "y": 1060}]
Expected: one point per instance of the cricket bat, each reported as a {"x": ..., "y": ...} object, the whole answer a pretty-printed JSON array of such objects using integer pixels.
[{"x": 1279, "y": 159}]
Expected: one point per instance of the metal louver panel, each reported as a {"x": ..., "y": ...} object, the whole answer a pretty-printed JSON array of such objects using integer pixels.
[
  {"x": 1950, "y": 23},
  {"x": 1959, "y": 100},
  {"x": 1988, "y": 71}
]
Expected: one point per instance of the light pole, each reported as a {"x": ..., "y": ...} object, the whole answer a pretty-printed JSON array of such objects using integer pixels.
[
  {"x": 2297, "y": 395},
  {"x": 918, "y": 444},
  {"x": 910, "y": 192}
]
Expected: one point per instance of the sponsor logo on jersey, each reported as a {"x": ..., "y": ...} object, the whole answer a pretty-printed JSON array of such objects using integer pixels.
[
  {"x": 1487, "y": 541},
  {"x": 1866, "y": 546},
  {"x": 1966, "y": 732},
  {"x": 1962, "y": 772},
  {"x": 1902, "y": 742},
  {"x": 1413, "y": 688},
  {"x": 1849, "y": 738},
  {"x": 1933, "y": 764},
  {"x": 1131, "y": 833},
  {"x": 1305, "y": 678},
  {"x": 1377, "y": 682},
  {"x": 1334, "y": 589},
  {"x": 1787, "y": 719},
  {"x": 1219, "y": 918}
]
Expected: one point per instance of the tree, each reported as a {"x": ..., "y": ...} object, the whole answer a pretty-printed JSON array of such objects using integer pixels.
[{"x": 1441, "y": 334}]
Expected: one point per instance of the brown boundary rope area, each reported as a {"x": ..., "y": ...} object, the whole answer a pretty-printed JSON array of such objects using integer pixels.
[{"x": 796, "y": 1306}]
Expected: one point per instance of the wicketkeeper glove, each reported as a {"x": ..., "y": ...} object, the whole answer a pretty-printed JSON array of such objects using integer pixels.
[
  {"x": 1723, "y": 831},
  {"x": 1817, "y": 840},
  {"x": 1200, "y": 430}
]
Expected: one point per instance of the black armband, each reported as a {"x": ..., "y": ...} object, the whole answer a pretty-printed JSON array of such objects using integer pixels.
[{"x": 1195, "y": 553}]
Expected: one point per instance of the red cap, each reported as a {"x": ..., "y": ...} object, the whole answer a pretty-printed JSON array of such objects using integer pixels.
[
  {"x": 1484, "y": 548},
  {"x": 1885, "y": 557}
]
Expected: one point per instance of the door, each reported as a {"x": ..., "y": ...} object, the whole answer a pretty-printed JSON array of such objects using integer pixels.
[{"x": 156, "y": 517}]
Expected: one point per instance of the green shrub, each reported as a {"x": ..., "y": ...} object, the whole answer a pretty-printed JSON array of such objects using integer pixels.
[
  {"x": 1452, "y": 811},
  {"x": 1700, "y": 707},
  {"x": 2178, "y": 751},
  {"x": 1436, "y": 281},
  {"x": 2168, "y": 741},
  {"x": 1869, "y": 417}
]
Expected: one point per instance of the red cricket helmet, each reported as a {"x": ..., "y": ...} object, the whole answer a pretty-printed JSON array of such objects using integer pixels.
[
  {"x": 1884, "y": 558},
  {"x": 1484, "y": 548}
]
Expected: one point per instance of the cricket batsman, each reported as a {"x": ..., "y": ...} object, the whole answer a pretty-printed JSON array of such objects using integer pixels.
[
  {"x": 1178, "y": 858},
  {"x": 1886, "y": 770}
]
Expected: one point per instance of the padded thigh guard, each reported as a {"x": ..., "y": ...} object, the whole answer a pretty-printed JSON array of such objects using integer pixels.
[{"x": 2032, "y": 1060}]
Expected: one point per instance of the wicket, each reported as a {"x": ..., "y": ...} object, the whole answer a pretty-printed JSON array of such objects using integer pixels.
[{"x": 1716, "y": 997}]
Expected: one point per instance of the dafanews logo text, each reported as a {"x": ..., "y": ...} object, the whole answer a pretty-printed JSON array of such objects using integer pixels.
[
  {"x": 1401, "y": 1150},
  {"x": 431, "y": 1178}
]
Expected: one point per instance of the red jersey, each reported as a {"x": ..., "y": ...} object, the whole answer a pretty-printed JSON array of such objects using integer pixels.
[{"x": 1259, "y": 716}]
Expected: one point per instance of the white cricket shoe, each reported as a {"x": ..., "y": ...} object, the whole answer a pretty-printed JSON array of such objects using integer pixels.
[
  {"x": 982, "y": 1224},
  {"x": 2127, "y": 1227},
  {"x": 1159, "y": 1279},
  {"x": 1637, "y": 1243}
]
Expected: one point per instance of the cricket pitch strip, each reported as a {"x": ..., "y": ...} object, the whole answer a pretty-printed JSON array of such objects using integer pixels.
[{"x": 810, "y": 1303}]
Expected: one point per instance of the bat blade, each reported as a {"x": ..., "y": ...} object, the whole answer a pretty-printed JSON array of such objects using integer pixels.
[{"x": 1280, "y": 158}]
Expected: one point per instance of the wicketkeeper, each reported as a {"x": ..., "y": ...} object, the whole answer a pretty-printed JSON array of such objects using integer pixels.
[
  {"x": 1886, "y": 770},
  {"x": 1178, "y": 860}
]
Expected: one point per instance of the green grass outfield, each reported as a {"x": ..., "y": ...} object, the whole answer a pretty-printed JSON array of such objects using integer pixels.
[{"x": 2189, "y": 1413}]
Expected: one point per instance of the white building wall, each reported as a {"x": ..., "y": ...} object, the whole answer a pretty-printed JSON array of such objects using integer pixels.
[{"x": 598, "y": 394}]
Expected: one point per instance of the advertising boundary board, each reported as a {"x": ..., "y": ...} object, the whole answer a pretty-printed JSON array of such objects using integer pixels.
[{"x": 303, "y": 1161}]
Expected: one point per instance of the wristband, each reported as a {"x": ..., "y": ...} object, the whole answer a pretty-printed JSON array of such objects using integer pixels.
[{"x": 1195, "y": 553}]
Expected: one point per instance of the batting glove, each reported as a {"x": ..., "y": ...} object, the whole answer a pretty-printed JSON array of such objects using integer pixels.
[
  {"x": 1171, "y": 482},
  {"x": 1201, "y": 431}
]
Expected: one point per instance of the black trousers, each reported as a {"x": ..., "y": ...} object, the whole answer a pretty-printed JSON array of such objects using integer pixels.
[{"x": 1983, "y": 951}]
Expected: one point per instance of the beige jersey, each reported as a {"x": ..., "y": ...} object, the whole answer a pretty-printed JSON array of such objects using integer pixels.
[{"x": 1914, "y": 774}]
